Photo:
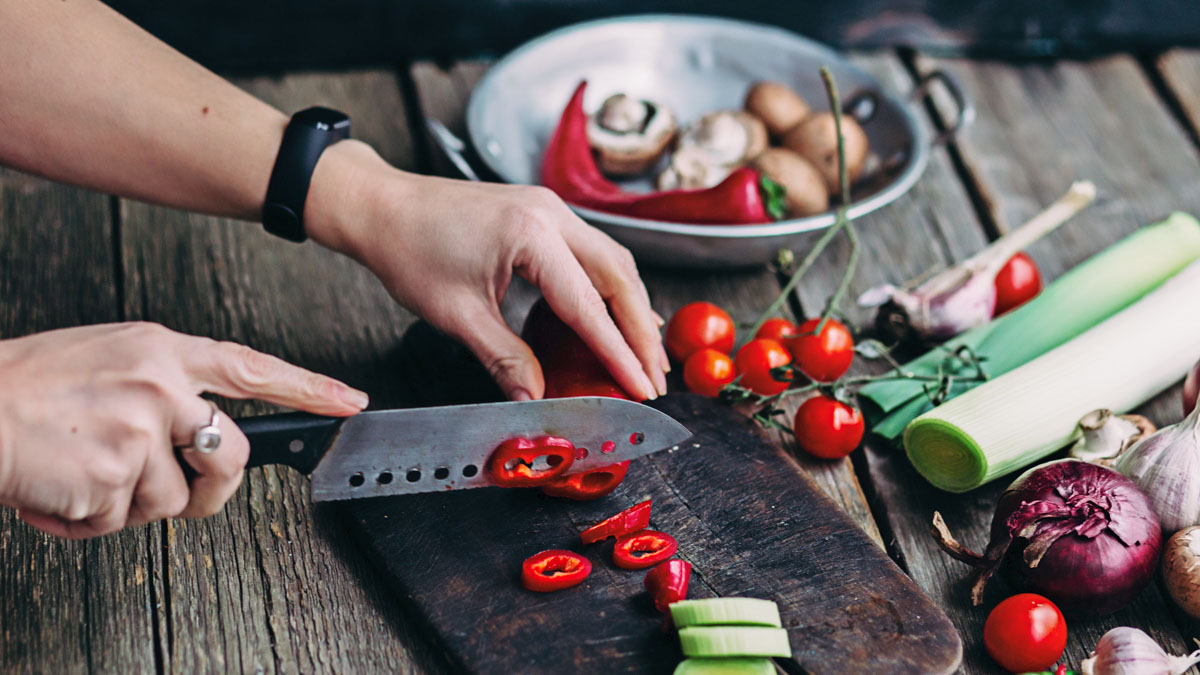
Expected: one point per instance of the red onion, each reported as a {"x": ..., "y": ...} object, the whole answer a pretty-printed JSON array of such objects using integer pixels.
[
  {"x": 1191, "y": 389},
  {"x": 1078, "y": 533}
]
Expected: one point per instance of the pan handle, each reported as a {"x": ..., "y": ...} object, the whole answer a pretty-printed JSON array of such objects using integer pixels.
[
  {"x": 453, "y": 147},
  {"x": 966, "y": 110}
]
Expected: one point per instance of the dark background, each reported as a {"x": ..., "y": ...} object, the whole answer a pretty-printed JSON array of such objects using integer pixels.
[{"x": 245, "y": 35}]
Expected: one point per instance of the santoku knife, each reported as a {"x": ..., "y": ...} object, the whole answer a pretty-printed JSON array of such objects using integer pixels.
[{"x": 395, "y": 452}]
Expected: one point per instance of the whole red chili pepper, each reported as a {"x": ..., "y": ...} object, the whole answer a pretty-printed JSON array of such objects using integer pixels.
[
  {"x": 588, "y": 484},
  {"x": 554, "y": 569},
  {"x": 570, "y": 170},
  {"x": 633, "y": 519},
  {"x": 511, "y": 463},
  {"x": 668, "y": 582},
  {"x": 638, "y": 550}
]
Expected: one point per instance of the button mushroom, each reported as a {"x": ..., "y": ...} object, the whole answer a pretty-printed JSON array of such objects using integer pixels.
[
  {"x": 803, "y": 185},
  {"x": 816, "y": 139},
  {"x": 709, "y": 149},
  {"x": 777, "y": 105},
  {"x": 629, "y": 135}
]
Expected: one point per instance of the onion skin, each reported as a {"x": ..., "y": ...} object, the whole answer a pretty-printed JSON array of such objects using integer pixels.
[
  {"x": 1181, "y": 569},
  {"x": 1191, "y": 389}
]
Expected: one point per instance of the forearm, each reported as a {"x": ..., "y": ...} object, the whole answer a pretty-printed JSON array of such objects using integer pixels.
[{"x": 88, "y": 98}]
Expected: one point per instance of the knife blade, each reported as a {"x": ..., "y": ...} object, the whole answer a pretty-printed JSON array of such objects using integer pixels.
[{"x": 407, "y": 451}]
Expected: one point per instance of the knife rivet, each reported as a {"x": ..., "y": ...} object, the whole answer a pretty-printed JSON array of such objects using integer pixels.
[{"x": 296, "y": 445}]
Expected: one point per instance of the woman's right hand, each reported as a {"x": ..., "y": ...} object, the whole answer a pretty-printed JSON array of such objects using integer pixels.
[{"x": 90, "y": 418}]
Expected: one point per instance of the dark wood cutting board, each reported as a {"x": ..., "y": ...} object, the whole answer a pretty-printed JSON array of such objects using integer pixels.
[{"x": 745, "y": 515}]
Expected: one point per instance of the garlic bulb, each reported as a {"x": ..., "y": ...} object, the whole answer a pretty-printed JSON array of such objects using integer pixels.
[
  {"x": 1129, "y": 651},
  {"x": 1166, "y": 466},
  {"x": 1103, "y": 436}
]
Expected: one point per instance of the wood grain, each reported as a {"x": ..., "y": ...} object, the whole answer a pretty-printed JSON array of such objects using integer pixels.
[
  {"x": 1180, "y": 70},
  {"x": 1040, "y": 127},
  {"x": 65, "y": 606},
  {"x": 751, "y": 525},
  {"x": 270, "y": 584}
]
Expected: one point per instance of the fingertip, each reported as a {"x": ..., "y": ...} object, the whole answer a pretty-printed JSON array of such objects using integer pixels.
[{"x": 354, "y": 398}]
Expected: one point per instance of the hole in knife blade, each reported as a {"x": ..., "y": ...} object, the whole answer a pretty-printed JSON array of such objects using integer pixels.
[
  {"x": 637, "y": 437},
  {"x": 413, "y": 475},
  {"x": 441, "y": 473},
  {"x": 581, "y": 453},
  {"x": 385, "y": 477},
  {"x": 296, "y": 445},
  {"x": 470, "y": 470},
  {"x": 357, "y": 479},
  {"x": 607, "y": 447}
]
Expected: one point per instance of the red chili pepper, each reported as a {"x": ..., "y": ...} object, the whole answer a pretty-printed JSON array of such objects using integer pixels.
[
  {"x": 633, "y": 519},
  {"x": 638, "y": 550},
  {"x": 553, "y": 570},
  {"x": 588, "y": 484},
  {"x": 570, "y": 170},
  {"x": 512, "y": 461},
  {"x": 668, "y": 582}
]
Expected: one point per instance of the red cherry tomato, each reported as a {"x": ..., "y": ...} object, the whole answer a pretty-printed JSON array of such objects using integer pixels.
[
  {"x": 827, "y": 428},
  {"x": 554, "y": 569},
  {"x": 586, "y": 485},
  {"x": 1025, "y": 633},
  {"x": 824, "y": 357},
  {"x": 696, "y": 326},
  {"x": 1016, "y": 283},
  {"x": 776, "y": 328},
  {"x": 638, "y": 550},
  {"x": 754, "y": 362},
  {"x": 706, "y": 371}
]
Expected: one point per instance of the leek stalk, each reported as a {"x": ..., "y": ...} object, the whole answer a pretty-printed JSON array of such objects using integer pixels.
[
  {"x": 1030, "y": 412},
  {"x": 1083, "y": 297}
]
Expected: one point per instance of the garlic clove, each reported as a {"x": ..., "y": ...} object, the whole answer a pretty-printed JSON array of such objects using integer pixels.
[
  {"x": 1103, "y": 436},
  {"x": 1166, "y": 466}
]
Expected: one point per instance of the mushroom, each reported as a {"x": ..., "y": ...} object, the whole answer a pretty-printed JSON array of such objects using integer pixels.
[
  {"x": 816, "y": 139},
  {"x": 629, "y": 135},
  {"x": 713, "y": 146},
  {"x": 777, "y": 105},
  {"x": 803, "y": 185}
]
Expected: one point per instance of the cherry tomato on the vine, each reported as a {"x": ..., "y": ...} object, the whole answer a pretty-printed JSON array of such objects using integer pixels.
[
  {"x": 824, "y": 357},
  {"x": 827, "y": 428},
  {"x": 1016, "y": 283},
  {"x": 776, "y": 328},
  {"x": 706, "y": 371},
  {"x": 696, "y": 326},
  {"x": 754, "y": 362},
  {"x": 1025, "y": 633}
]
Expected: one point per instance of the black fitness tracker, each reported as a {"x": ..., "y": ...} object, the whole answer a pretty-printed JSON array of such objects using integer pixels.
[{"x": 307, "y": 135}]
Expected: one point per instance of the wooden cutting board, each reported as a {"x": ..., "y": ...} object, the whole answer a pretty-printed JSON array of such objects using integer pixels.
[{"x": 745, "y": 515}]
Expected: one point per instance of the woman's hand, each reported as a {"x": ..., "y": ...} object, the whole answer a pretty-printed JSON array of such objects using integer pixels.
[
  {"x": 448, "y": 249},
  {"x": 90, "y": 417}
]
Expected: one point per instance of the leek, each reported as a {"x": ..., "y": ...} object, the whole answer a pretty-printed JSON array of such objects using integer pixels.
[
  {"x": 1083, "y": 297},
  {"x": 1030, "y": 412}
]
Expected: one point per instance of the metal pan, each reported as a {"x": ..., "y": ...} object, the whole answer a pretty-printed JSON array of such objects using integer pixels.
[{"x": 695, "y": 65}]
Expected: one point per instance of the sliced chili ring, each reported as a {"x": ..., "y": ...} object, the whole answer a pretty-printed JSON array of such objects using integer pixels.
[
  {"x": 632, "y": 519},
  {"x": 588, "y": 484},
  {"x": 668, "y": 582},
  {"x": 512, "y": 461},
  {"x": 554, "y": 570},
  {"x": 638, "y": 550}
]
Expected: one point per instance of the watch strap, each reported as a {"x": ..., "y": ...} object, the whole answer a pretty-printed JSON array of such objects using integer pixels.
[{"x": 305, "y": 138}]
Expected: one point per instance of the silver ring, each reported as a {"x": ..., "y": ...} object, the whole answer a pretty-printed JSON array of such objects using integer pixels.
[{"x": 208, "y": 436}]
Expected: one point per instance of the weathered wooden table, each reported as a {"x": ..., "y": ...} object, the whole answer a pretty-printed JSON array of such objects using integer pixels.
[{"x": 273, "y": 584}]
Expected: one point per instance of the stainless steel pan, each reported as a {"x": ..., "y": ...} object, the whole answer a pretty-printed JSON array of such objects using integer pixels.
[{"x": 695, "y": 65}]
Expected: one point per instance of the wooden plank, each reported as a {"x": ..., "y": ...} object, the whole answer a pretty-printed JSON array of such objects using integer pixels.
[
  {"x": 443, "y": 94},
  {"x": 65, "y": 606},
  {"x": 750, "y": 526},
  {"x": 270, "y": 584},
  {"x": 1180, "y": 70},
  {"x": 1039, "y": 127}
]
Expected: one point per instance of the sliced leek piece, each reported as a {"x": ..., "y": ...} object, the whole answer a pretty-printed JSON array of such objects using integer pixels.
[
  {"x": 721, "y": 641},
  {"x": 725, "y": 612},
  {"x": 730, "y": 666}
]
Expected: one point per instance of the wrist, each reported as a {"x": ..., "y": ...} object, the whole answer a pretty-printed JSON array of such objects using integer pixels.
[{"x": 342, "y": 187}]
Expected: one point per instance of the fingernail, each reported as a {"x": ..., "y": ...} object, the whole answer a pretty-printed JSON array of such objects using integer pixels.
[
  {"x": 664, "y": 359},
  {"x": 660, "y": 383},
  {"x": 519, "y": 394},
  {"x": 658, "y": 319},
  {"x": 353, "y": 397},
  {"x": 648, "y": 389}
]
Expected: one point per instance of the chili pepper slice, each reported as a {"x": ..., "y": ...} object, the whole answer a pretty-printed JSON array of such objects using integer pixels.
[
  {"x": 570, "y": 170},
  {"x": 554, "y": 570},
  {"x": 668, "y": 582},
  {"x": 512, "y": 461},
  {"x": 632, "y": 519},
  {"x": 638, "y": 550},
  {"x": 588, "y": 484}
]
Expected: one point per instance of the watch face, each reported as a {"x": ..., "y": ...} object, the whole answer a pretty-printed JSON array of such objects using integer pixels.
[{"x": 324, "y": 119}]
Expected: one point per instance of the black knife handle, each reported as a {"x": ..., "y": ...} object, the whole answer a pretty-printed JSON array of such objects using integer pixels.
[{"x": 298, "y": 440}]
